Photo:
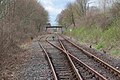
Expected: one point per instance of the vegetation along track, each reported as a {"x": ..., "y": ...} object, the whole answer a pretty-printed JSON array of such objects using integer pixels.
[
  {"x": 61, "y": 65},
  {"x": 92, "y": 61}
]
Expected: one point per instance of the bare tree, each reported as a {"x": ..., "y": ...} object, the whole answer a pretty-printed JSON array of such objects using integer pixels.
[
  {"x": 71, "y": 13},
  {"x": 19, "y": 20},
  {"x": 115, "y": 10},
  {"x": 81, "y": 7}
]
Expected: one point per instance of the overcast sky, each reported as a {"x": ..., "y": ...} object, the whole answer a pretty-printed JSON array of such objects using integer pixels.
[{"x": 54, "y": 7}]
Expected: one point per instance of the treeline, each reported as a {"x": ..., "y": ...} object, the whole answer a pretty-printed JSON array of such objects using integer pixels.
[
  {"x": 84, "y": 13},
  {"x": 20, "y": 20},
  {"x": 95, "y": 24}
]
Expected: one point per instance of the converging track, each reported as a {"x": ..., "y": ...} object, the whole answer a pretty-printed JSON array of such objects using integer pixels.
[
  {"x": 69, "y": 61},
  {"x": 61, "y": 65},
  {"x": 95, "y": 63}
]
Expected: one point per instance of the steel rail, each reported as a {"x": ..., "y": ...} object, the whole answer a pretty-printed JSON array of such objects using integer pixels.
[
  {"x": 106, "y": 65},
  {"x": 79, "y": 61},
  {"x": 95, "y": 72},
  {"x": 50, "y": 63},
  {"x": 73, "y": 66}
]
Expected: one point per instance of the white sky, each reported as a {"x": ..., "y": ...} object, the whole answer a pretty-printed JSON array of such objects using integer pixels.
[{"x": 54, "y": 7}]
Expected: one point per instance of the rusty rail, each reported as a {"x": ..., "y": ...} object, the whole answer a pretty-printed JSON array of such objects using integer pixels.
[
  {"x": 75, "y": 69},
  {"x": 50, "y": 63},
  {"x": 73, "y": 66},
  {"x": 95, "y": 72},
  {"x": 106, "y": 65}
]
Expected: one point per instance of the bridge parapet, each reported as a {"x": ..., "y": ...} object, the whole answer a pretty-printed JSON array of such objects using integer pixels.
[{"x": 54, "y": 29}]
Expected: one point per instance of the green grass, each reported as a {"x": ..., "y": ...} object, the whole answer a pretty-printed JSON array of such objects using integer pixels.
[
  {"x": 108, "y": 40},
  {"x": 115, "y": 53}
]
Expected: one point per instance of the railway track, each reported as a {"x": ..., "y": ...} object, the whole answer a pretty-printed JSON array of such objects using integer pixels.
[
  {"x": 70, "y": 62},
  {"x": 61, "y": 65},
  {"x": 84, "y": 71},
  {"x": 95, "y": 63}
]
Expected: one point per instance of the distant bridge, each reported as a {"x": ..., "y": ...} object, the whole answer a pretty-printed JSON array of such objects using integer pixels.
[{"x": 54, "y": 29}]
